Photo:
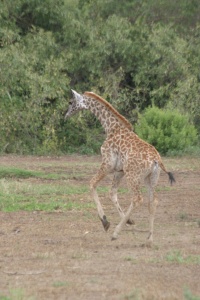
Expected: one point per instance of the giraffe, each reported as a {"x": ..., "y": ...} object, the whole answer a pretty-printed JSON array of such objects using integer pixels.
[{"x": 124, "y": 154}]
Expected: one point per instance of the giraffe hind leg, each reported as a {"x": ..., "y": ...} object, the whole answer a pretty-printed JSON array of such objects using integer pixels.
[
  {"x": 122, "y": 222},
  {"x": 136, "y": 201},
  {"x": 113, "y": 195},
  {"x": 151, "y": 182}
]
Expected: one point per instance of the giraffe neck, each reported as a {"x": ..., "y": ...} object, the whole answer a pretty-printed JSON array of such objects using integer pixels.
[{"x": 108, "y": 121}]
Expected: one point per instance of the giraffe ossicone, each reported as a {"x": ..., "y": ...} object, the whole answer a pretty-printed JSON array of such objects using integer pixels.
[
  {"x": 124, "y": 154},
  {"x": 76, "y": 95}
]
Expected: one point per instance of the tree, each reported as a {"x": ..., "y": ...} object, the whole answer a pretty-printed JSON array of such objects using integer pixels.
[
  {"x": 167, "y": 130},
  {"x": 133, "y": 54}
]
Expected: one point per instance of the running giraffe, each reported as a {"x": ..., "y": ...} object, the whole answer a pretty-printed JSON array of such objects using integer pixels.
[{"x": 123, "y": 153}]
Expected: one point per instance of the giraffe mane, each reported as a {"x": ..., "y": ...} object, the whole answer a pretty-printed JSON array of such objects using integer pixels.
[{"x": 120, "y": 118}]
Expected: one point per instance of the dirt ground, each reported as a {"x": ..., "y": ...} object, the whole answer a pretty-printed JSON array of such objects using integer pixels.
[{"x": 68, "y": 255}]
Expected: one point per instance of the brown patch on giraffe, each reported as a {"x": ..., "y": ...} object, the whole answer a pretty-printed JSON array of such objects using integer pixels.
[{"x": 121, "y": 119}]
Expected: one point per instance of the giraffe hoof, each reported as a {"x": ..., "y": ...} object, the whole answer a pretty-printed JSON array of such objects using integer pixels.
[
  {"x": 106, "y": 227},
  {"x": 149, "y": 241},
  {"x": 130, "y": 222},
  {"x": 105, "y": 223},
  {"x": 114, "y": 237}
]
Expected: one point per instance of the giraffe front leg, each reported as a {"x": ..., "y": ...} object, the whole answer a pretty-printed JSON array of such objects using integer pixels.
[{"x": 93, "y": 184}]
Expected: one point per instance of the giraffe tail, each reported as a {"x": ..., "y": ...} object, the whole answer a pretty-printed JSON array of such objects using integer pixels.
[{"x": 171, "y": 176}]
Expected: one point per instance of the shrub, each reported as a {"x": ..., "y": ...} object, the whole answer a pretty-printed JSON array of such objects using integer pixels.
[{"x": 167, "y": 130}]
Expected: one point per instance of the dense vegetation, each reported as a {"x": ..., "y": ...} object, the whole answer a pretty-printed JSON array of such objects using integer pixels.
[
  {"x": 169, "y": 131},
  {"x": 134, "y": 53}
]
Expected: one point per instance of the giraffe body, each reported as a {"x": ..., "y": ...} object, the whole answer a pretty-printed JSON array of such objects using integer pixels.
[{"x": 124, "y": 154}]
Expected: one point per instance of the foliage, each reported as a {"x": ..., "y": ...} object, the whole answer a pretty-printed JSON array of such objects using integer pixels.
[
  {"x": 133, "y": 53},
  {"x": 165, "y": 129}
]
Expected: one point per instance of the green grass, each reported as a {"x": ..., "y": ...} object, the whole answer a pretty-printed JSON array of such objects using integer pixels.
[
  {"x": 131, "y": 259},
  {"x": 15, "y": 294},
  {"x": 61, "y": 284},
  {"x": 6, "y": 172},
  {"x": 164, "y": 188},
  {"x": 11, "y": 172},
  {"x": 106, "y": 189},
  {"x": 133, "y": 295},
  {"x": 17, "y": 192},
  {"x": 189, "y": 296},
  {"x": 176, "y": 256},
  {"x": 16, "y": 195},
  {"x": 183, "y": 216}
]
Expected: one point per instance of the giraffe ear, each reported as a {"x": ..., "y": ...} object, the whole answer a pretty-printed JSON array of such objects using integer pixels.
[{"x": 76, "y": 95}]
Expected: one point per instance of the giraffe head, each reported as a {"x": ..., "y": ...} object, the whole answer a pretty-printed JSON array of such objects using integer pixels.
[{"x": 76, "y": 104}]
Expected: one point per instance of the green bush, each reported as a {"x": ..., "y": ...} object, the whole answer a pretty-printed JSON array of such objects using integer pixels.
[{"x": 167, "y": 130}]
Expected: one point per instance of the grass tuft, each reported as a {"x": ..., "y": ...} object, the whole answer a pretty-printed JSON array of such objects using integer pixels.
[
  {"x": 60, "y": 284},
  {"x": 189, "y": 296},
  {"x": 177, "y": 257}
]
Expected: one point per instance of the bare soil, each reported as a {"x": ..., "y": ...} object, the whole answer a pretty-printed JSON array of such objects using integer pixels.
[{"x": 68, "y": 255}]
